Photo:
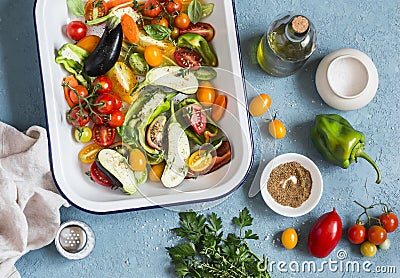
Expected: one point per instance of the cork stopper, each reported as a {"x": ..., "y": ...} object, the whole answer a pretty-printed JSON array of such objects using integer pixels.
[{"x": 300, "y": 24}]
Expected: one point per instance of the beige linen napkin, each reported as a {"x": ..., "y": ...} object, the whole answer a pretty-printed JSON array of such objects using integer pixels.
[{"x": 29, "y": 202}]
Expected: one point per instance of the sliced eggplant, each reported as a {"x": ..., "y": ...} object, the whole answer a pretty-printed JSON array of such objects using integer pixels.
[
  {"x": 115, "y": 166},
  {"x": 106, "y": 54}
]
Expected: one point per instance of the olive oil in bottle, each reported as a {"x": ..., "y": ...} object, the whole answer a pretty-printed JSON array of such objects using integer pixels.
[{"x": 287, "y": 45}]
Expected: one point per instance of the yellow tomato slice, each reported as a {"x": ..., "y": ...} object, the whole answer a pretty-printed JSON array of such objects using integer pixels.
[
  {"x": 200, "y": 161},
  {"x": 88, "y": 153}
]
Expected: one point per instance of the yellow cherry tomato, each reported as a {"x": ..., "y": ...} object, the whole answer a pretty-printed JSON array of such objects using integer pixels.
[
  {"x": 137, "y": 160},
  {"x": 368, "y": 249},
  {"x": 277, "y": 129},
  {"x": 153, "y": 55},
  {"x": 289, "y": 238},
  {"x": 156, "y": 171},
  {"x": 259, "y": 105},
  {"x": 206, "y": 93}
]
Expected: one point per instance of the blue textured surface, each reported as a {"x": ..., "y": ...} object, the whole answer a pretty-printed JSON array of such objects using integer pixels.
[{"x": 132, "y": 244}]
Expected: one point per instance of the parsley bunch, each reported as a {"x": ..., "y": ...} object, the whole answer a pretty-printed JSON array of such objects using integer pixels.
[{"x": 205, "y": 253}]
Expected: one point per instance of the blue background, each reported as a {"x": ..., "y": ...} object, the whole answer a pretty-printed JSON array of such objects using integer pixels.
[{"x": 132, "y": 244}]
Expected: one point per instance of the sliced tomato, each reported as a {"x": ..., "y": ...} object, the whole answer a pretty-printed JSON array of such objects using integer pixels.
[
  {"x": 201, "y": 161},
  {"x": 95, "y": 9},
  {"x": 196, "y": 117},
  {"x": 88, "y": 153},
  {"x": 155, "y": 132},
  {"x": 77, "y": 116},
  {"x": 98, "y": 176},
  {"x": 103, "y": 135},
  {"x": 187, "y": 58},
  {"x": 203, "y": 29}
]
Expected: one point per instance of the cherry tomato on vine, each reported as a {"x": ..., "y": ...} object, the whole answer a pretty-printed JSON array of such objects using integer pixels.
[
  {"x": 102, "y": 84},
  {"x": 77, "y": 116},
  {"x": 259, "y": 105},
  {"x": 105, "y": 103},
  {"x": 160, "y": 21},
  {"x": 289, "y": 238},
  {"x": 76, "y": 30},
  {"x": 153, "y": 55},
  {"x": 117, "y": 118},
  {"x": 182, "y": 21},
  {"x": 368, "y": 249},
  {"x": 117, "y": 102},
  {"x": 357, "y": 234},
  {"x": 152, "y": 8},
  {"x": 103, "y": 135},
  {"x": 376, "y": 234},
  {"x": 385, "y": 245},
  {"x": 389, "y": 221},
  {"x": 83, "y": 134},
  {"x": 277, "y": 129},
  {"x": 173, "y": 6},
  {"x": 95, "y": 9},
  {"x": 206, "y": 93},
  {"x": 77, "y": 93},
  {"x": 137, "y": 160}
]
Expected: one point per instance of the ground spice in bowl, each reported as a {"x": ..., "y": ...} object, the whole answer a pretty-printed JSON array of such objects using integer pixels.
[{"x": 289, "y": 184}]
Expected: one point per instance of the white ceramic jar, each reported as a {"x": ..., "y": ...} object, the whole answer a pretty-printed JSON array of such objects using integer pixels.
[{"x": 347, "y": 79}]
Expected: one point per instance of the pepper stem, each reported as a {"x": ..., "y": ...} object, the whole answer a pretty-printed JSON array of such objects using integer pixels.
[{"x": 362, "y": 154}]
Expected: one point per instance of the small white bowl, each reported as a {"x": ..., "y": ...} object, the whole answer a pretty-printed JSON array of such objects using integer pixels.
[
  {"x": 347, "y": 79},
  {"x": 316, "y": 189}
]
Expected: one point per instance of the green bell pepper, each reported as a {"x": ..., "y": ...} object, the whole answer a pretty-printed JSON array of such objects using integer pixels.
[
  {"x": 338, "y": 142},
  {"x": 200, "y": 45},
  {"x": 72, "y": 58}
]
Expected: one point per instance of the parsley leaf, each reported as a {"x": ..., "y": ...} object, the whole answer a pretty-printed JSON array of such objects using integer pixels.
[{"x": 205, "y": 253}]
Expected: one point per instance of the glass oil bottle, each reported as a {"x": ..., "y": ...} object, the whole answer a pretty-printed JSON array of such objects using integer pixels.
[{"x": 288, "y": 43}]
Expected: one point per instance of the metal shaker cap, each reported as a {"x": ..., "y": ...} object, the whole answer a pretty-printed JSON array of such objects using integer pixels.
[{"x": 74, "y": 240}]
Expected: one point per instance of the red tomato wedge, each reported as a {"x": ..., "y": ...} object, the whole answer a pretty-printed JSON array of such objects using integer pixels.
[{"x": 98, "y": 176}]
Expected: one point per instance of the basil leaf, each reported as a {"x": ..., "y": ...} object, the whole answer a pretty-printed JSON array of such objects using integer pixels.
[
  {"x": 207, "y": 9},
  {"x": 195, "y": 11},
  {"x": 157, "y": 32},
  {"x": 76, "y": 7}
]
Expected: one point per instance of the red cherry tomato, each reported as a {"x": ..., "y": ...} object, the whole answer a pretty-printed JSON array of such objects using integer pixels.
[
  {"x": 325, "y": 234},
  {"x": 357, "y": 234},
  {"x": 78, "y": 92},
  {"x": 173, "y": 6},
  {"x": 76, "y": 30},
  {"x": 117, "y": 118},
  {"x": 103, "y": 135},
  {"x": 98, "y": 176},
  {"x": 187, "y": 58},
  {"x": 105, "y": 103},
  {"x": 102, "y": 84},
  {"x": 203, "y": 29},
  {"x": 376, "y": 234},
  {"x": 152, "y": 8},
  {"x": 389, "y": 221},
  {"x": 77, "y": 116}
]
